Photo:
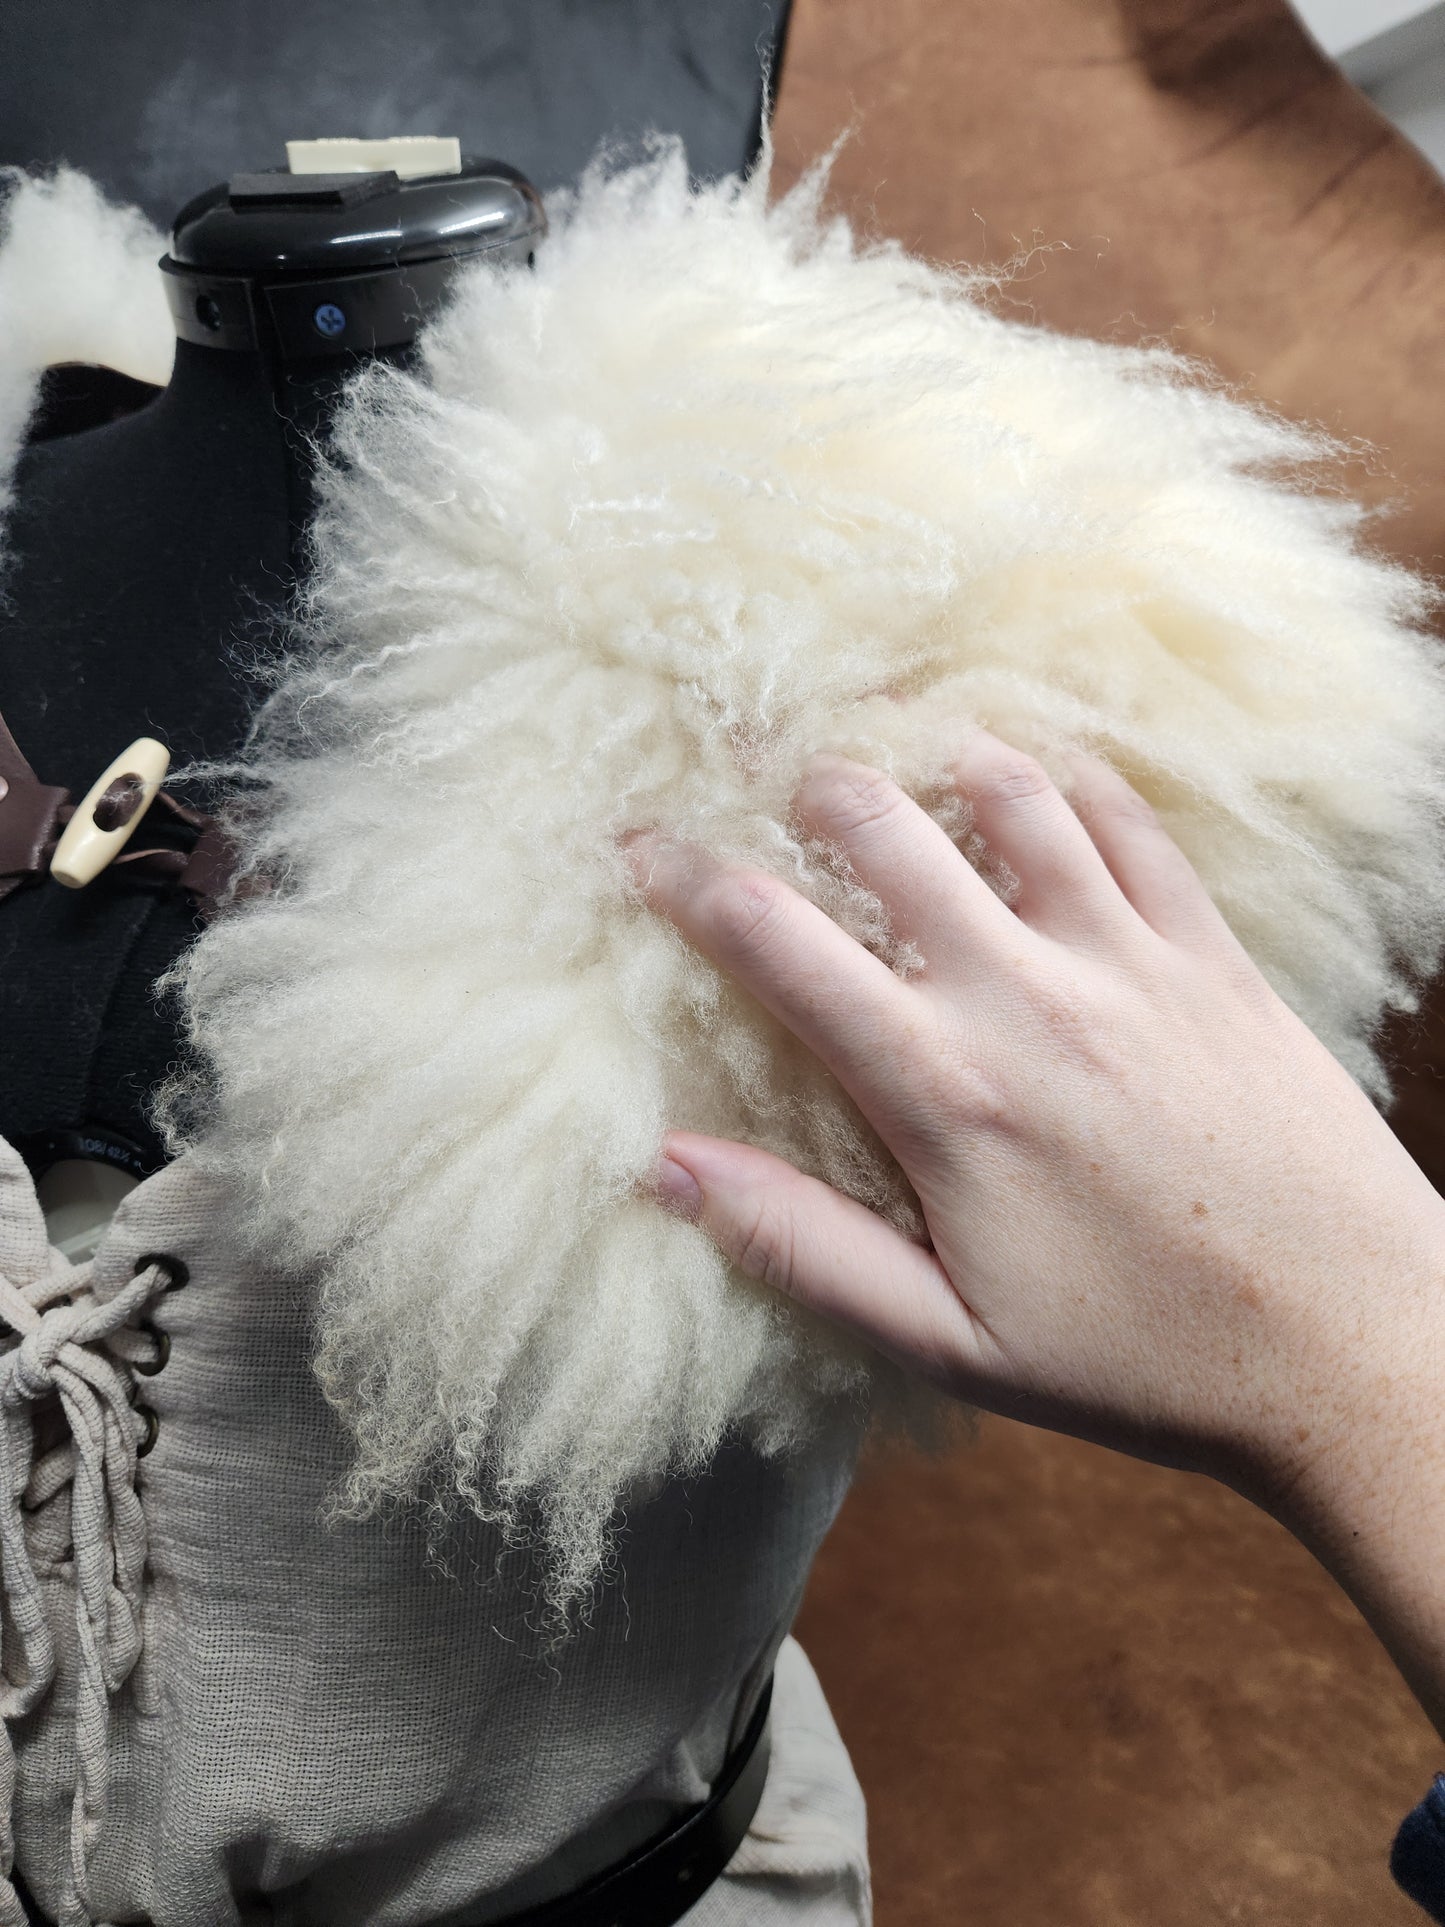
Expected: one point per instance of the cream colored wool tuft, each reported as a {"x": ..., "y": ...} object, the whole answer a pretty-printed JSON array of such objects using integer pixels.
[
  {"x": 715, "y": 487},
  {"x": 78, "y": 282}
]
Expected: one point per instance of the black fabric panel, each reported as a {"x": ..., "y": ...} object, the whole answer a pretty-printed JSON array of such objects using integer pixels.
[
  {"x": 144, "y": 562},
  {"x": 158, "y": 98},
  {"x": 137, "y": 1044},
  {"x": 74, "y": 396},
  {"x": 83, "y": 1036},
  {"x": 47, "y": 1046}
]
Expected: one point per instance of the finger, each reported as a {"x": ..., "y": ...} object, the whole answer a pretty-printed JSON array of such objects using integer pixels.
[
  {"x": 834, "y": 995},
  {"x": 1064, "y": 887},
  {"x": 1144, "y": 860},
  {"x": 828, "y": 1252},
  {"x": 934, "y": 897}
]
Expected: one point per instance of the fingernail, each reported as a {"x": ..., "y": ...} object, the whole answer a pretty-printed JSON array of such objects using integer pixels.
[
  {"x": 658, "y": 867},
  {"x": 638, "y": 849},
  {"x": 816, "y": 771},
  {"x": 678, "y": 1190}
]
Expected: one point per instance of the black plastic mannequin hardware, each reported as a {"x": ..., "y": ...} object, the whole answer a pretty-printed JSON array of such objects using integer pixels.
[{"x": 337, "y": 264}]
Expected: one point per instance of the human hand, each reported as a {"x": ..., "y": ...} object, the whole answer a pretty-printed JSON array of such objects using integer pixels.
[{"x": 1161, "y": 1215}]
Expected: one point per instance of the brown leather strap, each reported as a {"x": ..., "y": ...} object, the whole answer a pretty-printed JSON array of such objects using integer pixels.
[
  {"x": 30, "y": 816},
  {"x": 12, "y": 759}
]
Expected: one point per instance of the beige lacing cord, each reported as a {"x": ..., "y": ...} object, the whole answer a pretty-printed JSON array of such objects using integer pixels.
[{"x": 76, "y": 1348}]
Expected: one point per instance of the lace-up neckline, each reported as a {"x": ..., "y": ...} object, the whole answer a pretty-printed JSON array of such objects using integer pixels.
[{"x": 84, "y": 1352}]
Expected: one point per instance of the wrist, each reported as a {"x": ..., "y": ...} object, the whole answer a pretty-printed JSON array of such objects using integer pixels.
[{"x": 1361, "y": 1483}]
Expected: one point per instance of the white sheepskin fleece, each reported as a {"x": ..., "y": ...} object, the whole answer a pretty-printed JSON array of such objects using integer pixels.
[
  {"x": 78, "y": 282},
  {"x": 715, "y": 487}
]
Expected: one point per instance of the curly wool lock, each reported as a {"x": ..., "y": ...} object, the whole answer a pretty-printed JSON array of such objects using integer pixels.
[
  {"x": 78, "y": 283},
  {"x": 715, "y": 487}
]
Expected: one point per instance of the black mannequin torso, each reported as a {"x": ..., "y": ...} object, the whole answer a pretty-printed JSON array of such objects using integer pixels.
[
  {"x": 150, "y": 564},
  {"x": 149, "y": 561}
]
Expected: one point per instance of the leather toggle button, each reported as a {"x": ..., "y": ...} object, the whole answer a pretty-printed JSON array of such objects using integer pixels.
[{"x": 108, "y": 813}]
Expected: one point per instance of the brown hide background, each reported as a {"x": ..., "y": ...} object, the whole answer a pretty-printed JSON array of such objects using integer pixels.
[{"x": 1082, "y": 1692}]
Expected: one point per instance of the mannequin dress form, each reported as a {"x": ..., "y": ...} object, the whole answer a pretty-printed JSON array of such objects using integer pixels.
[{"x": 150, "y": 559}]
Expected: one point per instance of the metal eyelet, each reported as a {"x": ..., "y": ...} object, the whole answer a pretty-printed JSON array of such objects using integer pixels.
[
  {"x": 152, "y": 1429},
  {"x": 177, "y": 1273},
  {"x": 149, "y": 1368}
]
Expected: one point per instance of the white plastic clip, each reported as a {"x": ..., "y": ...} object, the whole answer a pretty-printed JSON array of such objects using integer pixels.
[
  {"x": 408, "y": 156},
  {"x": 104, "y": 823}
]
